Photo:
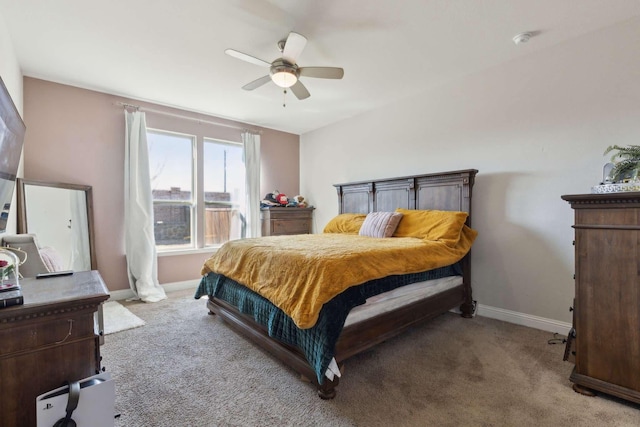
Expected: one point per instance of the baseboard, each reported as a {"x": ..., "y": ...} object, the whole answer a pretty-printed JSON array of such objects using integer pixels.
[
  {"x": 523, "y": 319},
  {"x": 125, "y": 294}
]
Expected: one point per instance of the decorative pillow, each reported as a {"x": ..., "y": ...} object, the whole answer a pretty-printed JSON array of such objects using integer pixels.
[
  {"x": 431, "y": 224},
  {"x": 347, "y": 223},
  {"x": 51, "y": 258},
  {"x": 380, "y": 224}
]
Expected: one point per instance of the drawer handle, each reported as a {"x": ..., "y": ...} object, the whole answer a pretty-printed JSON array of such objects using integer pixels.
[{"x": 68, "y": 333}]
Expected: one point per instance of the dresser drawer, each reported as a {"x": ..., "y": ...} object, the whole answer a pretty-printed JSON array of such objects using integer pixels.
[
  {"x": 47, "y": 331},
  {"x": 286, "y": 221},
  {"x": 300, "y": 226}
]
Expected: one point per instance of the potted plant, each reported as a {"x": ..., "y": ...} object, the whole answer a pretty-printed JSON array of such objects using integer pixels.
[{"x": 626, "y": 162}]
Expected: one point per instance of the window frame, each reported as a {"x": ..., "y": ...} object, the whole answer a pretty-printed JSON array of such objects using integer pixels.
[{"x": 197, "y": 202}]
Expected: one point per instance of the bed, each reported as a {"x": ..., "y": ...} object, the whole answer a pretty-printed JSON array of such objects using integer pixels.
[{"x": 361, "y": 315}]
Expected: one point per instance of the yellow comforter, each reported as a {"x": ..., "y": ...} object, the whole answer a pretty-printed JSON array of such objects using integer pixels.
[{"x": 300, "y": 273}]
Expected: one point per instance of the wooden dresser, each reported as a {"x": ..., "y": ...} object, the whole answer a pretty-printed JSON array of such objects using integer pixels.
[
  {"x": 280, "y": 221},
  {"x": 607, "y": 294},
  {"x": 50, "y": 339}
]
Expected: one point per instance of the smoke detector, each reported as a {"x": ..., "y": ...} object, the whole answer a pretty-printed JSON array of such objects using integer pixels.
[{"x": 522, "y": 38}]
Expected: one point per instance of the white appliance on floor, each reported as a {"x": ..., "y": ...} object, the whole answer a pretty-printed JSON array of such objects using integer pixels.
[{"x": 95, "y": 405}]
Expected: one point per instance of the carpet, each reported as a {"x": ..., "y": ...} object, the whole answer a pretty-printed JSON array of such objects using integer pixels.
[
  {"x": 187, "y": 368},
  {"x": 118, "y": 318}
]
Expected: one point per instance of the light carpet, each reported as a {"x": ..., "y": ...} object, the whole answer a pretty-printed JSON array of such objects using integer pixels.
[
  {"x": 118, "y": 318},
  {"x": 189, "y": 369}
]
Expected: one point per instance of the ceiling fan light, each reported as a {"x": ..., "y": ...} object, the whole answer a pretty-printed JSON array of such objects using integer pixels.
[{"x": 284, "y": 78}]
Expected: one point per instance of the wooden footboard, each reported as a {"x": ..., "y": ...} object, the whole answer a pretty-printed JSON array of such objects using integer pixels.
[
  {"x": 258, "y": 334},
  {"x": 362, "y": 336},
  {"x": 354, "y": 339}
]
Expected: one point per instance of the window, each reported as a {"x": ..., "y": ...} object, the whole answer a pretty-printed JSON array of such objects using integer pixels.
[
  {"x": 184, "y": 216},
  {"x": 171, "y": 169},
  {"x": 224, "y": 192}
]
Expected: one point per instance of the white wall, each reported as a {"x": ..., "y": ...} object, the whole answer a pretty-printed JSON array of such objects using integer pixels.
[
  {"x": 12, "y": 78},
  {"x": 536, "y": 128},
  {"x": 9, "y": 68}
]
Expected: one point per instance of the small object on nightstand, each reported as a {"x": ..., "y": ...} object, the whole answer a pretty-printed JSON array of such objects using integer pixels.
[
  {"x": 11, "y": 298},
  {"x": 10, "y": 291},
  {"x": 6, "y": 287},
  {"x": 54, "y": 274}
]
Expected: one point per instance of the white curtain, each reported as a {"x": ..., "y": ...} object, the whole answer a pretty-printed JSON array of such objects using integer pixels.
[
  {"x": 140, "y": 243},
  {"x": 80, "y": 249},
  {"x": 251, "y": 144}
]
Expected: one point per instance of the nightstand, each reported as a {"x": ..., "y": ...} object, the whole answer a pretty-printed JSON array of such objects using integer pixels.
[
  {"x": 50, "y": 339},
  {"x": 284, "y": 221}
]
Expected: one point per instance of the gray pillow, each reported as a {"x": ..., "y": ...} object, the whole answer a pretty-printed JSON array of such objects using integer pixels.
[{"x": 380, "y": 224}]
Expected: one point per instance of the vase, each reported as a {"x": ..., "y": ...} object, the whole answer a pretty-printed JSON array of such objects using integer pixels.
[{"x": 9, "y": 265}]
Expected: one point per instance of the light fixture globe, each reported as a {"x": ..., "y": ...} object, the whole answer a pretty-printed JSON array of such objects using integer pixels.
[{"x": 284, "y": 74}]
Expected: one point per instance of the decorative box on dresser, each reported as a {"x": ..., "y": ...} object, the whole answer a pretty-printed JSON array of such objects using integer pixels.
[
  {"x": 48, "y": 340},
  {"x": 282, "y": 221},
  {"x": 606, "y": 326}
]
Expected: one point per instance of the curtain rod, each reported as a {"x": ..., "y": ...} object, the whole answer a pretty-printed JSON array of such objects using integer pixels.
[{"x": 181, "y": 116}]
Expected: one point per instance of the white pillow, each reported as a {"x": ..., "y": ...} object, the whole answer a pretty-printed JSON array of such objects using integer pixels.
[
  {"x": 380, "y": 224},
  {"x": 51, "y": 258}
]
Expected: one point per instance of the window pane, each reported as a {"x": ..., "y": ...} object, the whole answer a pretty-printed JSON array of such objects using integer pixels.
[
  {"x": 170, "y": 165},
  {"x": 224, "y": 192},
  {"x": 172, "y": 225},
  {"x": 171, "y": 173}
]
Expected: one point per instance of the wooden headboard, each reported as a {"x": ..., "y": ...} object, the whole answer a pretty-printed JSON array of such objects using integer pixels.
[{"x": 447, "y": 191}]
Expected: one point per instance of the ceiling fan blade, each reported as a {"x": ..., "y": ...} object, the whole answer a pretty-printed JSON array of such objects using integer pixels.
[
  {"x": 257, "y": 83},
  {"x": 293, "y": 47},
  {"x": 247, "y": 58},
  {"x": 300, "y": 91},
  {"x": 322, "y": 72}
]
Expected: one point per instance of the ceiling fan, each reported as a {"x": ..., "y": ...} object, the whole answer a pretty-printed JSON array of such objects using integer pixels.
[{"x": 284, "y": 71}]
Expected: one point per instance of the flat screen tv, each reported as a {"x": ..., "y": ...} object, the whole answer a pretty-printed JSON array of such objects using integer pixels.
[{"x": 12, "y": 130}]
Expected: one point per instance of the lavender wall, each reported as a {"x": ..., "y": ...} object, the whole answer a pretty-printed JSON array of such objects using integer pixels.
[{"x": 77, "y": 136}]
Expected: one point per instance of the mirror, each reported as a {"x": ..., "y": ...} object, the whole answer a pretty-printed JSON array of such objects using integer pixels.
[{"x": 61, "y": 217}]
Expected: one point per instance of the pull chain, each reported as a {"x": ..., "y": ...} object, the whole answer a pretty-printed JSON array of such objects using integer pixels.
[{"x": 284, "y": 98}]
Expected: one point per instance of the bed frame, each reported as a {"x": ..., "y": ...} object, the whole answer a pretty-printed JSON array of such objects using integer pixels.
[{"x": 441, "y": 191}]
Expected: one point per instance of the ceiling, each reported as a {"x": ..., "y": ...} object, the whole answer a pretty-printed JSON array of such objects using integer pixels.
[{"x": 172, "y": 52}]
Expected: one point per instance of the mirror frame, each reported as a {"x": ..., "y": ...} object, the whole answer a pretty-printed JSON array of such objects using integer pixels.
[{"x": 22, "y": 209}]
